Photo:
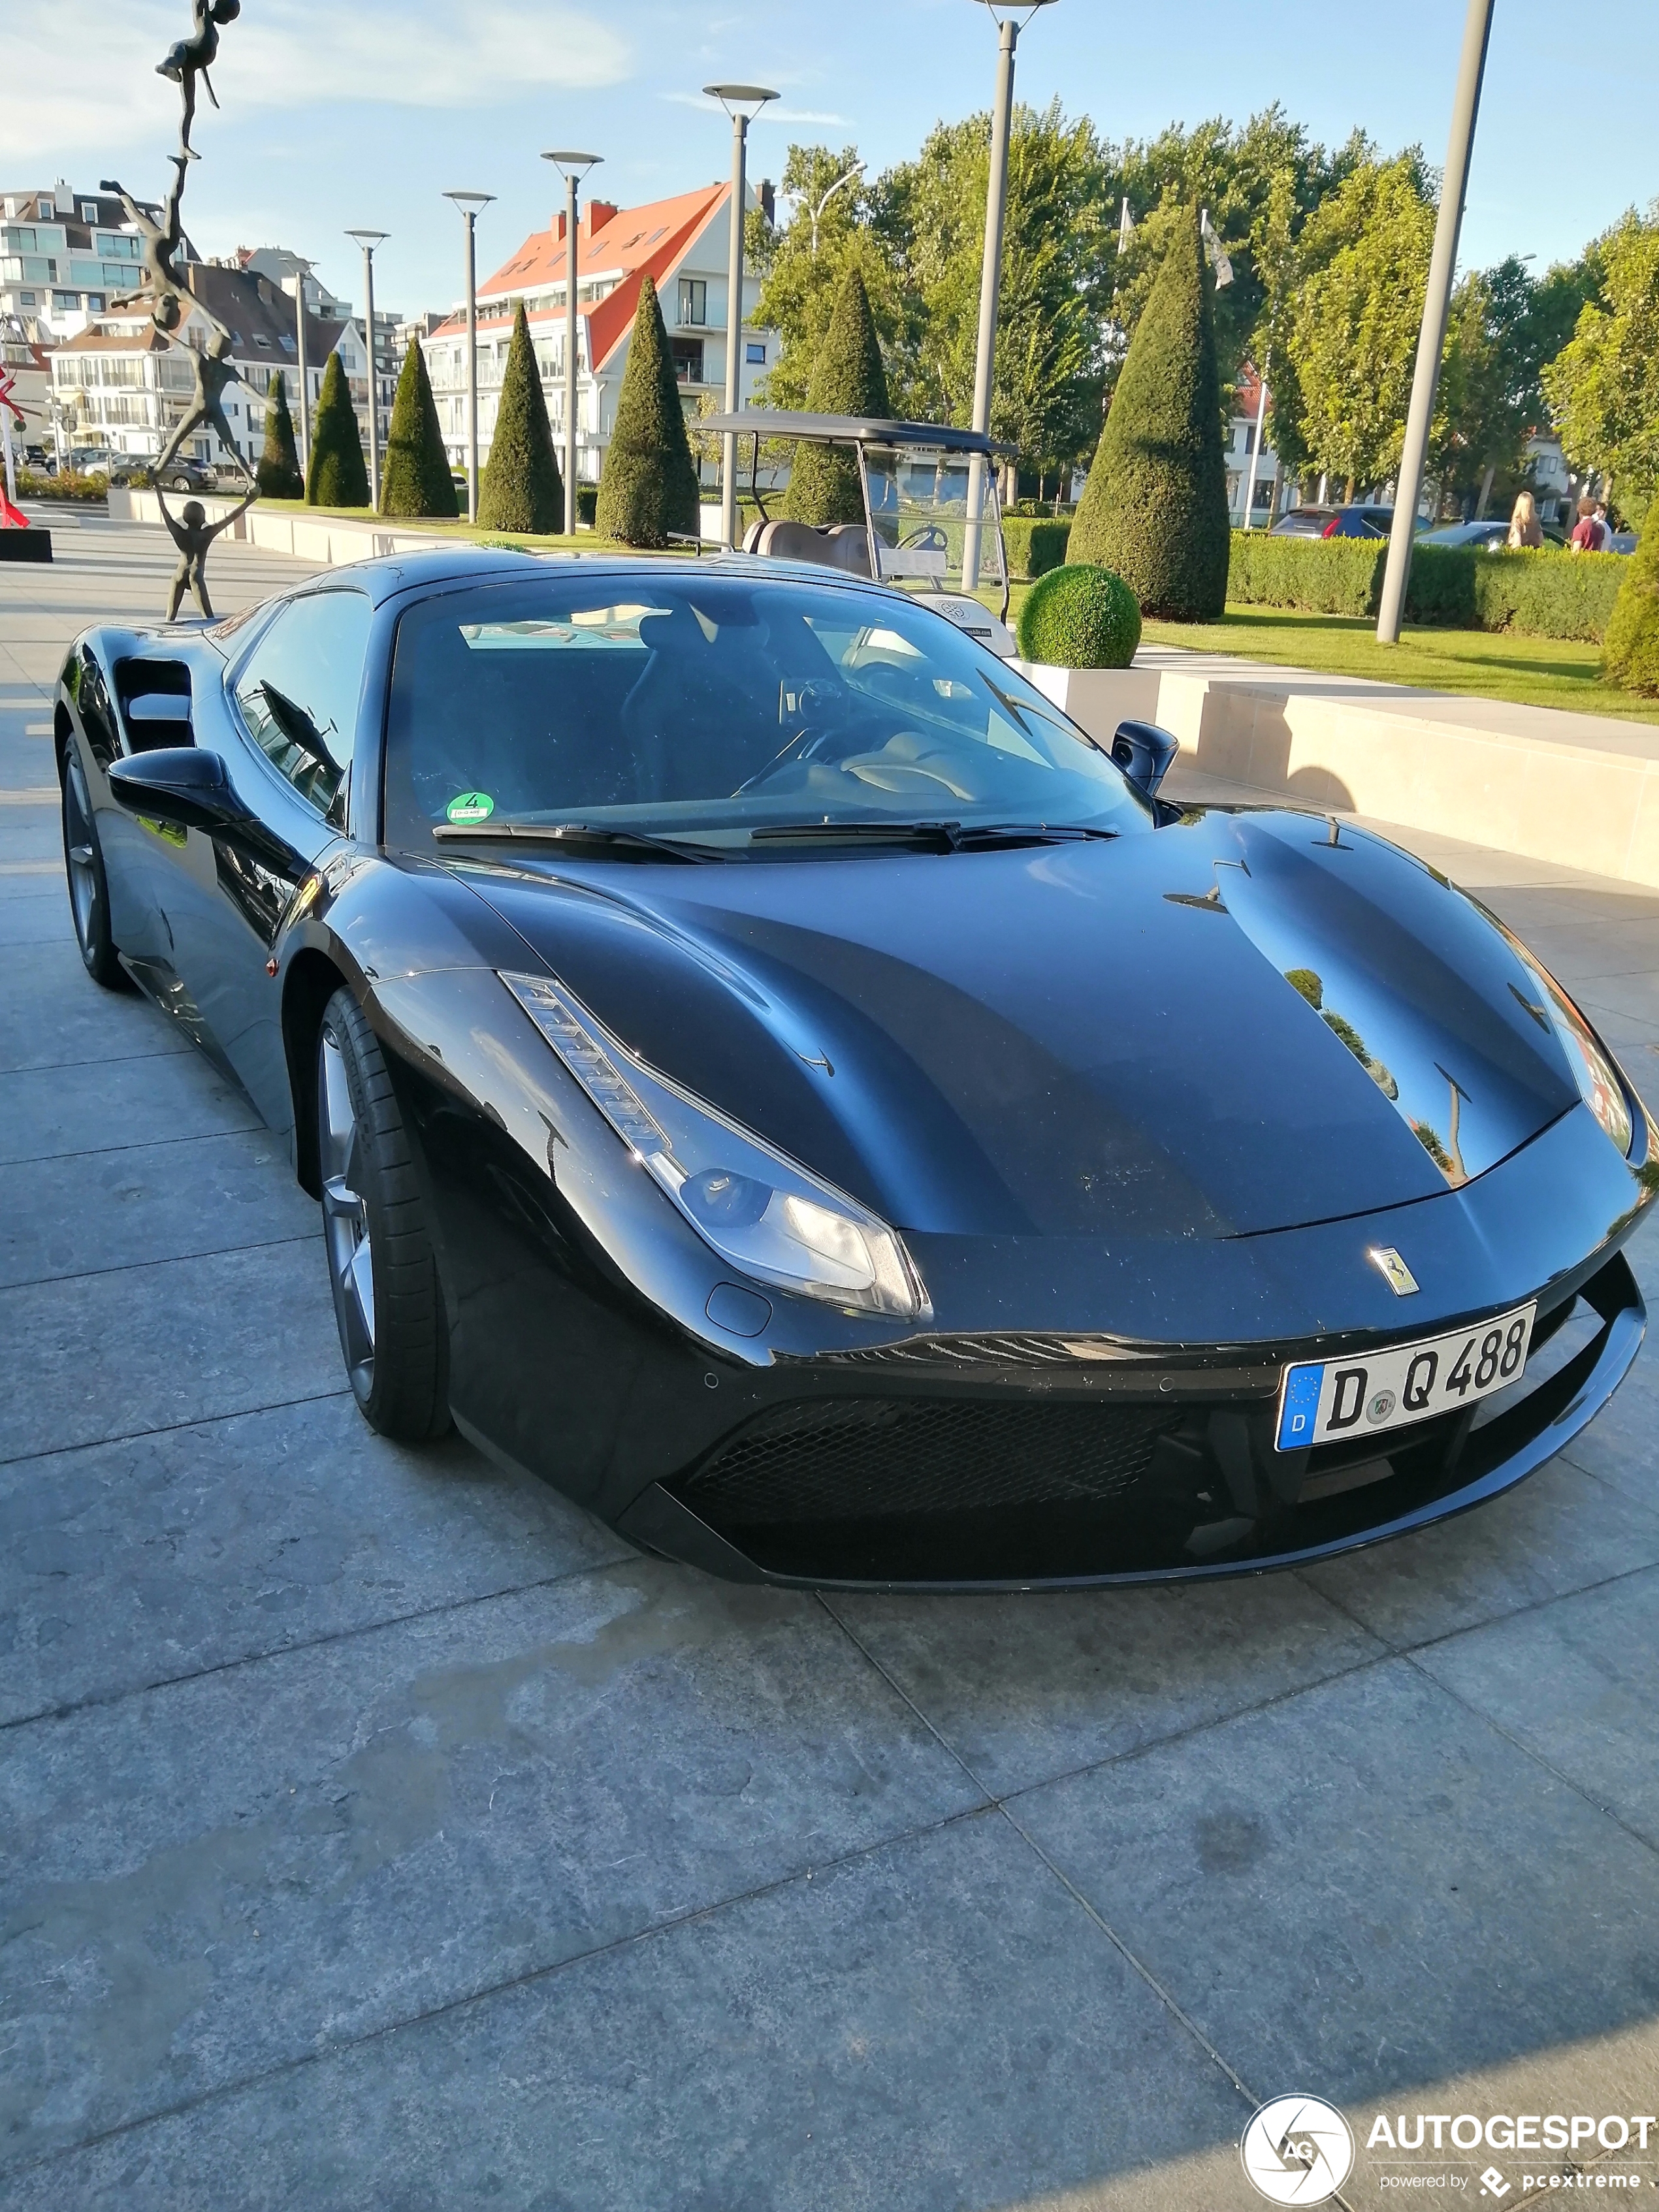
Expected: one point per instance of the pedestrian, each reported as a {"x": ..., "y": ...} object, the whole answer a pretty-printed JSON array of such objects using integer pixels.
[
  {"x": 1525, "y": 528},
  {"x": 1588, "y": 535},
  {"x": 1605, "y": 521}
]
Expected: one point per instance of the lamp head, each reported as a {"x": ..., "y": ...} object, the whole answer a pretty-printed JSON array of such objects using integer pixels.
[
  {"x": 368, "y": 239},
  {"x": 470, "y": 204},
  {"x": 573, "y": 165},
  {"x": 745, "y": 100}
]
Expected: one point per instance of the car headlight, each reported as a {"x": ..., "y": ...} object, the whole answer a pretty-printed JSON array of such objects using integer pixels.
[
  {"x": 1598, "y": 1079},
  {"x": 752, "y": 1204}
]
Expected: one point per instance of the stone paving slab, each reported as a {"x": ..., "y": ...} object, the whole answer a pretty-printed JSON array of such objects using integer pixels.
[
  {"x": 115, "y": 1103},
  {"x": 1370, "y": 1887},
  {"x": 157, "y": 1347},
  {"x": 412, "y": 1814},
  {"x": 124, "y": 1565},
  {"x": 931, "y": 2024},
  {"x": 1023, "y": 1693},
  {"x": 49, "y": 1018}
]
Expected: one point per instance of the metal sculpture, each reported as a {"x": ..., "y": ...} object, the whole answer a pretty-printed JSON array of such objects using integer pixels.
[
  {"x": 187, "y": 60},
  {"x": 192, "y": 533},
  {"x": 213, "y": 372}
]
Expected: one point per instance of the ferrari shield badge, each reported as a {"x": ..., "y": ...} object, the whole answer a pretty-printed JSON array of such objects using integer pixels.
[{"x": 1394, "y": 1271}]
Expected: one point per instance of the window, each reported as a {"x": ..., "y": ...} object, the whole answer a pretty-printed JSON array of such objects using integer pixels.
[
  {"x": 754, "y": 353},
  {"x": 88, "y": 210},
  {"x": 694, "y": 300},
  {"x": 299, "y": 694},
  {"x": 688, "y": 359}
]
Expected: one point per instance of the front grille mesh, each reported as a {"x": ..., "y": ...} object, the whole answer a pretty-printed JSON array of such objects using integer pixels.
[{"x": 863, "y": 1459}]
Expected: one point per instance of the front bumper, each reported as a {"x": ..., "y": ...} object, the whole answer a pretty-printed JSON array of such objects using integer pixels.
[{"x": 926, "y": 1492}]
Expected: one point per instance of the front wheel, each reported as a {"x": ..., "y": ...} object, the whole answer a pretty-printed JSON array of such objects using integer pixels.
[
  {"x": 387, "y": 1303},
  {"x": 88, "y": 886}
]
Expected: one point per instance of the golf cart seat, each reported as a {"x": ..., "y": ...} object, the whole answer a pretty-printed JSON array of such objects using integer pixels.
[{"x": 843, "y": 545}]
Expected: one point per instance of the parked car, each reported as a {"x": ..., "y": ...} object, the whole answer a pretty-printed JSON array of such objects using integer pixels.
[
  {"x": 1491, "y": 535},
  {"x": 181, "y": 475},
  {"x": 1336, "y": 522},
  {"x": 768, "y": 1072}
]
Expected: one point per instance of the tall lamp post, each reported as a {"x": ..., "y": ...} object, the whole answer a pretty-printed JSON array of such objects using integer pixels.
[
  {"x": 302, "y": 271},
  {"x": 742, "y": 102},
  {"x": 572, "y": 167},
  {"x": 1437, "y": 306},
  {"x": 471, "y": 205},
  {"x": 990, "y": 274},
  {"x": 368, "y": 239}
]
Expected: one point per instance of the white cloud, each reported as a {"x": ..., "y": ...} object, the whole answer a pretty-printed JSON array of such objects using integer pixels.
[{"x": 291, "y": 54}]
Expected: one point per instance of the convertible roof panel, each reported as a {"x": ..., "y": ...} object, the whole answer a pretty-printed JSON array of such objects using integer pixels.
[{"x": 852, "y": 430}]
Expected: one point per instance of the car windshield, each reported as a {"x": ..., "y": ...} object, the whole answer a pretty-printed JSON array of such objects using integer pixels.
[{"x": 708, "y": 707}]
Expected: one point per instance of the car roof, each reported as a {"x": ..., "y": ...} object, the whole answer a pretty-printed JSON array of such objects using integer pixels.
[{"x": 395, "y": 576}]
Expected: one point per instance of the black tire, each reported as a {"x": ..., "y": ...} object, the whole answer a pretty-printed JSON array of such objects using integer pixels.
[
  {"x": 88, "y": 886},
  {"x": 182, "y": 484},
  {"x": 387, "y": 1303}
]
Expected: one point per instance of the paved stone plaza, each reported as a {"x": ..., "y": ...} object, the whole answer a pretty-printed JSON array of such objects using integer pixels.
[{"x": 377, "y": 1829}]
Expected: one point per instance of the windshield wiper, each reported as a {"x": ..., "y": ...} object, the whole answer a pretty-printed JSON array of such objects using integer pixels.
[
  {"x": 929, "y": 836},
  {"x": 573, "y": 836}
]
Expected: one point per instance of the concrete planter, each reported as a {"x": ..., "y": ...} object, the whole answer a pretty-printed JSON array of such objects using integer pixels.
[{"x": 1097, "y": 699}]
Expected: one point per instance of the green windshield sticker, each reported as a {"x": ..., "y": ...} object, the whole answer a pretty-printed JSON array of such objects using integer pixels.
[{"x": 470, "y": 806}]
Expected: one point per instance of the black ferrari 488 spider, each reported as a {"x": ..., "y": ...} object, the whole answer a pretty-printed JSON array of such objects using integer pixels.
[{"x": 767, "y": 1071}]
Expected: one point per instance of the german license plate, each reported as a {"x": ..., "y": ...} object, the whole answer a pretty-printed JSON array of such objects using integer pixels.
[{"x": 1328, "y": 1401}]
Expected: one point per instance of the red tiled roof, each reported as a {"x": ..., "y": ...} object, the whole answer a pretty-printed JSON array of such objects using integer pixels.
[{"x": 636, "y": 242}]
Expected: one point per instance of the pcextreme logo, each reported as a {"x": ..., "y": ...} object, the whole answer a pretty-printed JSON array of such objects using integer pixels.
[{"x": 1301, "y": 2150}]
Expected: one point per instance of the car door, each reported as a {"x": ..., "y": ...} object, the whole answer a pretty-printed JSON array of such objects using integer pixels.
[{"x": 285, "y": 724}]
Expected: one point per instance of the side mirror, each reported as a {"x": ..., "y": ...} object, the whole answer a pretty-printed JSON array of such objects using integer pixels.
[
  {"x": 180, "y": 784},
  {"x": 1144, "y": 753}
]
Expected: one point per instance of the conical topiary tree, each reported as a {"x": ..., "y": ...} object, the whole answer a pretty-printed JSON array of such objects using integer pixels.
[
  {"x": 278, "y": 473},
  {"x": 1630, "y": 651},
  {"x": 847, "y": 378},
  {"x": 522, "y": 489},
  {"x": 1154, "y": 506},
  {"x": 415, "y": 478},
  {"x": 648, "y": 485},
  {"x": 337, "y": 476}
]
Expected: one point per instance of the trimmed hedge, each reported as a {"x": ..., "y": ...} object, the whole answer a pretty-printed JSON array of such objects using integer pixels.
[
  {"x": 1629, "y": 657},
  {"x": 1547, "y": 594},
  {"x": 279, "y": 472},
  {"x": 522, "y": 489},
  {"x": 30, "y": 486},
  {"x": 847, "y": 378},
  {"x": 416, "y": 478},
  {"x": 1035, "y": 544},
  {"x": 1080, "y": 616},
  {"x": 338, "y": 477},
  {"x": 649, "y": 481}
]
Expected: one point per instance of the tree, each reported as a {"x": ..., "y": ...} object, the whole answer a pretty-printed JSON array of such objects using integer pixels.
[
  {"x": 802, "y": 275},
  {"x": 648, "y": 485},
  {"x": 849, "y": 379},
  {"x": 338, "y": 477},
  {"x": 1630, "y": 654},
  {"x": 1364, "y": 255},
  {"x": 1155, "y": 506},
  {"x": 1050, "y": 355},
  {"x": 522, "y": 489},
  {"x": 416, "y": 478},
  {"x": 1603, "y": 387},
  {"x": 278, "y": 473}
]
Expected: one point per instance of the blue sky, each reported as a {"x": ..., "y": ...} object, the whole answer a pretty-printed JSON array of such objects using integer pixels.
[{"x": 361, "y": 112}]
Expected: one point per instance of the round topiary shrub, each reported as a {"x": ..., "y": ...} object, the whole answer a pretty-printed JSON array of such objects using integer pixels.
[{"x": 1080, "y": 616}]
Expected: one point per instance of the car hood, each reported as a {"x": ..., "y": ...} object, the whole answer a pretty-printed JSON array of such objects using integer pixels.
[{"x": 1238, "y": 1022}]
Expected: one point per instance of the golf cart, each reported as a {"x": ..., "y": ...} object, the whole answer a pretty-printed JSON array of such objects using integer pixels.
[{"x": 931, "y": 524}]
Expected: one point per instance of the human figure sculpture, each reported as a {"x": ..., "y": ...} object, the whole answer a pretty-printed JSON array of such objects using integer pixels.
[
  {"x": 214, "y": 371},
  {"x": 189, "y": 59},
  {"x": 159, "y": 244},
  {"x": 192, "y": 533}
]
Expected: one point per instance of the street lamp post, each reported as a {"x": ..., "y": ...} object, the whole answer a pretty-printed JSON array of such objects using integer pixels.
[
  {"x": 302, "y": 271},
  {"x": 471, "y": 205},
  {"x": 990, "y": 274},
  {"x": 742, "y": 102},
  {"x": 368, "y": 239},
  {"x": 1437, "y": 306},
  {"x": 572, "y": 167},
  {"x": 845, "y": 178}
]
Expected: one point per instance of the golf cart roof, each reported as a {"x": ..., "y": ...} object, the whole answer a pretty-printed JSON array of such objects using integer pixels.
[{"x": 851, "y": 430}]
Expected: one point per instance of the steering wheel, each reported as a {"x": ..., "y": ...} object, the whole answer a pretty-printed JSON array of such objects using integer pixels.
[
  {"x": 821, "y": 697},
  {"x": 927, "y": 537}
]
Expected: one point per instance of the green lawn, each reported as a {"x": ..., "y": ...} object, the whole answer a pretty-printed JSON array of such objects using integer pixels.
[{"x": 1535, "y": 672}]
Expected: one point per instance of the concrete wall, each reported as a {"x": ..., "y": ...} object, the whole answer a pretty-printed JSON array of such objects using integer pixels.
[{"x": 1579, "y": 790}]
